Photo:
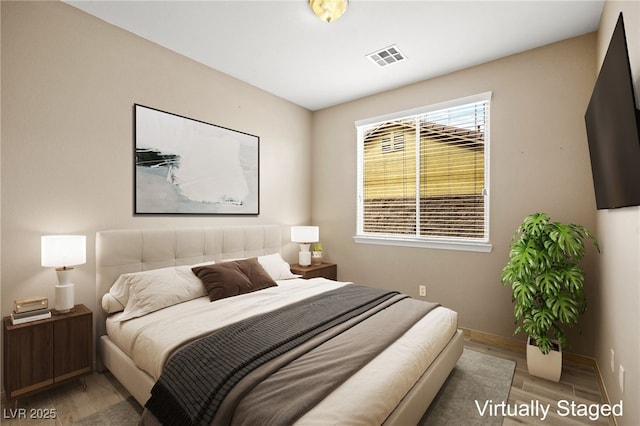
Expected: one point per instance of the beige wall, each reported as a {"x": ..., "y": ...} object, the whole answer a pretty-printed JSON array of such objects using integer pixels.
[
  {"x": 619, "y": 265},
  {"x": 539, "y": 162},
  {"x": 69, "y": 82},
  {"x": 68, "y": 85},
  {"x": 1, "y": 378}
]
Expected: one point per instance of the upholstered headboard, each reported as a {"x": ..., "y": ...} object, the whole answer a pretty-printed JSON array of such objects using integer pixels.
[{"x": 134, "y": 250}]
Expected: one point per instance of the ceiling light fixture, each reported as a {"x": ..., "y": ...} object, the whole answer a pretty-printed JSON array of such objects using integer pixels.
[{"x": 328, "y": 10}]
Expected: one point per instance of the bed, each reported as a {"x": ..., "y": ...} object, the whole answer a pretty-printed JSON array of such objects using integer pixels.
[{"x": 395, "y": 386}]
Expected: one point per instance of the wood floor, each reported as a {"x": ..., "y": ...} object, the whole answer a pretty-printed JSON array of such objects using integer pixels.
[
  {"x": 67, "y": 403},
  {"x": 578, "y": 383}
]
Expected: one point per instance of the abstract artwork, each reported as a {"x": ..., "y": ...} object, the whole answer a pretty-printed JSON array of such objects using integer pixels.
[{"x": 186, "y": 166}]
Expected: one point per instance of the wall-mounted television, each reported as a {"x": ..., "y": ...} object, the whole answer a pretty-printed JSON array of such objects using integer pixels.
[{"x": 613, "y": 129}]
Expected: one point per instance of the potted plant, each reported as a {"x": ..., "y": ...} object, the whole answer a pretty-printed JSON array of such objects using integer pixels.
[
  {"x": 547, "y": 281},
  {"x": 316, "y": 254}
]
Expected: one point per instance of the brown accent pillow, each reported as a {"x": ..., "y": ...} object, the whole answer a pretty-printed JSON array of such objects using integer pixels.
[{"x": 228, "y": 279}]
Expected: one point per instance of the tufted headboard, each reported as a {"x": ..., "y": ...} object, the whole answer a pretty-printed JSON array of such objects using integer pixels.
[{"x": 134, "y": 250}]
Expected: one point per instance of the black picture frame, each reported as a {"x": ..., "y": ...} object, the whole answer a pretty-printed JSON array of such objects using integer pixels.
[{"x": 187, "y": 166}]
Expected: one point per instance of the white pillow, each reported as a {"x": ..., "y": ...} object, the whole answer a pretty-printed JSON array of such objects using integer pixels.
[
  {"x": 151, "y": 290},
  {"x": 110, "y": 304},
  {"x": 210, "y": 262},
  {"x": 118, "y": 296},
  {"x": 276, "y": 267},
  {"x": 120, "y": 291}
]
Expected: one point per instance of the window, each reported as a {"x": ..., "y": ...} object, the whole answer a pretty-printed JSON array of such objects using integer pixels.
[
  {"x": 393, "y": 141},
  {"x": 423, "y": 176}
]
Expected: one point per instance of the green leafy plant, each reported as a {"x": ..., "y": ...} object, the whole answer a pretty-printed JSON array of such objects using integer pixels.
[{"x": 546, "y": 278}]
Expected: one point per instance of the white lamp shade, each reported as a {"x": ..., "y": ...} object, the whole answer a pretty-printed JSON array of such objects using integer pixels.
[
  {"x": 305, "y": 234},
  {"x": 63, "y": 250}
]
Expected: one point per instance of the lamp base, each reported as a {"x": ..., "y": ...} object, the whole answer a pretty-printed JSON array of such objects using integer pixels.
[
  {"x": 64, "y": 298},
  {"x": 304, "y": 258}
]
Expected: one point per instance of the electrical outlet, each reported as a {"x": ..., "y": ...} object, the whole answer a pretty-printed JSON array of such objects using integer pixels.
[
  {"x": 621, "y": 378},
  {"x": 612, "y": 361},
  {"x": 423, "y": 290}
]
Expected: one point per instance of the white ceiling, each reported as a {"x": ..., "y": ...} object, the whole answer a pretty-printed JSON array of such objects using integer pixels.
[{"x": 282, "y": 48}]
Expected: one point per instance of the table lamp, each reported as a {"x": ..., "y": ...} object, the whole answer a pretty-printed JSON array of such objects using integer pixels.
[
  {"x": 305, "y": 235},
  {"x": 63, "y": 252}
]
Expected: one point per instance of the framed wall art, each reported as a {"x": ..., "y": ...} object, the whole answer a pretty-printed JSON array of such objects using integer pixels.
[{"x": 187, "y": 166}]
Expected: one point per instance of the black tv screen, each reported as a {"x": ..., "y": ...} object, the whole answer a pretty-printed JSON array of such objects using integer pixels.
[{"x": 613, "y": 129}]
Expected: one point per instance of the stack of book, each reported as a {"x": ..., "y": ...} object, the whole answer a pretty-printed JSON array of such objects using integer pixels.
[
  {"x": 30, "y": 309},
  {"x": 23, "y": 317}
]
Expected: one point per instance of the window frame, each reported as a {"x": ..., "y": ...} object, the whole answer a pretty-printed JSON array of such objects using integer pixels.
[{"x": 437, "y": 242}]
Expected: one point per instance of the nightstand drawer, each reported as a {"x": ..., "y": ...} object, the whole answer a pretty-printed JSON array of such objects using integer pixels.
[{"x": 324, "y": 270}]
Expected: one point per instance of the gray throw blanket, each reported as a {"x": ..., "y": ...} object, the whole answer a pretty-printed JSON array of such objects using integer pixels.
[
  {"x": 282, "y": 391},
  {"x": 197, "y": 378}
]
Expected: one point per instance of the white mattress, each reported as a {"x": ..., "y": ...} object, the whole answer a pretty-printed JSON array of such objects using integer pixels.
[{"x": 151, "y": 339}]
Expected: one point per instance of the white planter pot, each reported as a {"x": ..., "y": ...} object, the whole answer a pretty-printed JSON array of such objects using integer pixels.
[
  {"x": 547, "y": 366},
  {"x": 316, "y": 257}
]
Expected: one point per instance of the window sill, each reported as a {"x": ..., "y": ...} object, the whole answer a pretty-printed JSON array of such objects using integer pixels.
[{"x": 423, "y": 243}]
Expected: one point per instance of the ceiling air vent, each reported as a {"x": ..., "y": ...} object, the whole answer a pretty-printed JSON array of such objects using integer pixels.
[{"x": 387, "y": 56}]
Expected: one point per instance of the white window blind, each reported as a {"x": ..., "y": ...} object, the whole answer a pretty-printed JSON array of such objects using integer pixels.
[{"x": 424, "y": 176}]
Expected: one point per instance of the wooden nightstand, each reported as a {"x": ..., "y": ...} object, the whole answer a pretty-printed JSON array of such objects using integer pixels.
[
  {"x": 325, "y": 270},
  {"x": 42, "y": 354}
]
